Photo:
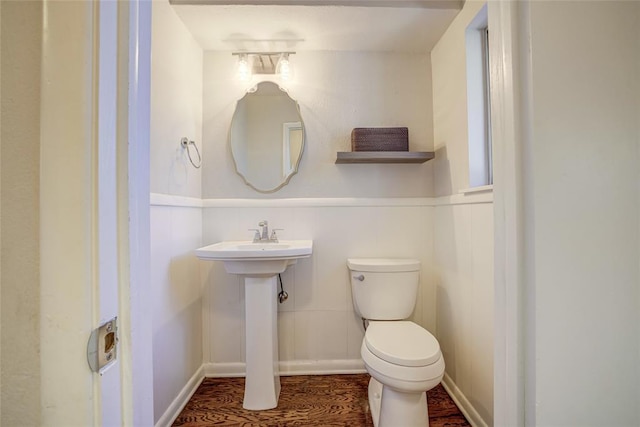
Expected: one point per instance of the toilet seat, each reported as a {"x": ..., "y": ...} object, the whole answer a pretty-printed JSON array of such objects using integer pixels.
[
  {"x": 402, "y": 343},
  {"x": 387, "y": 372}
]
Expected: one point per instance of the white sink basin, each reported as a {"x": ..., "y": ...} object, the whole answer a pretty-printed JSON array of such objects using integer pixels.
[{"x": 256, "y": 259}]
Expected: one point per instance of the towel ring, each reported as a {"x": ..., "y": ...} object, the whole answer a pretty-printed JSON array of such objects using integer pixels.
[{"x": 185, "y": 143}]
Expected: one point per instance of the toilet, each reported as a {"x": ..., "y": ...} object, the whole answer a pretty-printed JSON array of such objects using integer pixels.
[{"x": 403, "y": 359}]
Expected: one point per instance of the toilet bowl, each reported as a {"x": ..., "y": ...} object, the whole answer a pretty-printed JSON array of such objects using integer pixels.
[{"x": 403, "y": 359}]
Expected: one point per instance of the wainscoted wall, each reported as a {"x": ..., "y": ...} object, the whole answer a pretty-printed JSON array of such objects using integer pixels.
[
  {"x": 463, "y": 232},
  {"x": 463, "y": 276},
  {"x": 318, "y": 329},
  {"x": 319, "y": 332},
  {"x": 176, "y": 111},
  {"x": 176, "y": 301}
]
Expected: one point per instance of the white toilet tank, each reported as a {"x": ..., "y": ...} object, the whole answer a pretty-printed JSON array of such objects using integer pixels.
[{"x": 384, "y": 288}]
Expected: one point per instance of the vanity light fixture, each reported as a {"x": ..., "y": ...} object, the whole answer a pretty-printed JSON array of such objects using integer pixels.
[
  {"x": 244, "y": 68},
  {"x": 283, "y": 69},
  {"x": 266, "y": 63}
]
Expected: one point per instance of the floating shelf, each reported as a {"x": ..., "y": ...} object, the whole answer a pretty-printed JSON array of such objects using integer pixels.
[{"x": 384, "y": 156}]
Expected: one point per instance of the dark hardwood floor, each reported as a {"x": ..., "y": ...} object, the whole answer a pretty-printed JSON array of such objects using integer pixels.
[{"x": 305, "y": 400}]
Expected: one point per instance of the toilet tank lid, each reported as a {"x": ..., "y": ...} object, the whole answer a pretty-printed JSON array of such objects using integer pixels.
[{"x": 383, "y": 264}]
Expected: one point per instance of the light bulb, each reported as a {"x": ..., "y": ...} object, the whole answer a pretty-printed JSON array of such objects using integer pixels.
[
  {"x": 284, "y": 67},
  {"x": 244, "y": 68}
]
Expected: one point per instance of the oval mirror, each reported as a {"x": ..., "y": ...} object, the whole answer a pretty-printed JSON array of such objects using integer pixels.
[{"x": 266, "y": 137}]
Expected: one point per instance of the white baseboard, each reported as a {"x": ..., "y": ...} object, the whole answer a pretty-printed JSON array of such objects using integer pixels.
[
  {"x": 463, "y": 403},
  {"x": 291, "y": 367},
  {"x": 322, "y": 367},
  {"x": 178, "y": 404},
  {"x": 222, "y": 370}
]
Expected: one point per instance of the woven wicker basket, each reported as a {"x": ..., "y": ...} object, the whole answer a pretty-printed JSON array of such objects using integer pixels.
[{"x": 380, "y": 139}]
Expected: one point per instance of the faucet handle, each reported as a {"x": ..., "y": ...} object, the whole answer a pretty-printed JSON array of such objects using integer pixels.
[
  {"x": 274, "y": 237},
  {"x": 256, "y": 236}
]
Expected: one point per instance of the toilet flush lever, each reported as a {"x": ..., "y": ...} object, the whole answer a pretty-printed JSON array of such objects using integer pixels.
[{"x": 360, "y": 277}]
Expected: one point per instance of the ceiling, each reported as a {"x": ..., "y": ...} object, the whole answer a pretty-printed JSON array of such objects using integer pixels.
[{"x": 413, "y": 26}]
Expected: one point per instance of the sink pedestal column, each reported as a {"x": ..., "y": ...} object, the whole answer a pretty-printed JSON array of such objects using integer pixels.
[{"x": 262, "y": 381}]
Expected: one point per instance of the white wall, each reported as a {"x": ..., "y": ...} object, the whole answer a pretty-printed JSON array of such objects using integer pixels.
[
  {"x": 449, "y": 74},
  {"x": 582, "y": 214},
  {"x": 19, "y": 226},
  {"x": 176, "y": 111},
  {"x": 176, "y": 103},
  {"x": 337, "y": 91},
  {"x": 463, "y": 233}
]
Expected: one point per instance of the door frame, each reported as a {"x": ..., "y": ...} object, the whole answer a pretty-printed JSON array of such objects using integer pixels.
[
  {"x": 134, "y": 189},
  {"x": 507, "y": 39},
  {"x": 94, "y": 210}
]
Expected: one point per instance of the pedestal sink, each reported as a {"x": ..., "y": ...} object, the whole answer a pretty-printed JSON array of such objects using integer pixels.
[{"x": 259, "y": 264}]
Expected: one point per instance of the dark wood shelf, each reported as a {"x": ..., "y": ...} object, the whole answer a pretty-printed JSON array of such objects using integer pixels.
[{"x": 384, "y": 156}]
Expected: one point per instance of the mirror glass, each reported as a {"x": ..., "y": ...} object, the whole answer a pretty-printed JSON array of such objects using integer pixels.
[{"x": 267, "y": 137}]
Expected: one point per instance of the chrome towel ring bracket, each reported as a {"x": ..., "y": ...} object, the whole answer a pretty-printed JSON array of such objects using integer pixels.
[{"x": 185, "y": 143}]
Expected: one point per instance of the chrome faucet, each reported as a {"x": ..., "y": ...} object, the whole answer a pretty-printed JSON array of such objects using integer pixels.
[
  {"x": 263, "y": 237},
  {"x": 265, "y": 229}
]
